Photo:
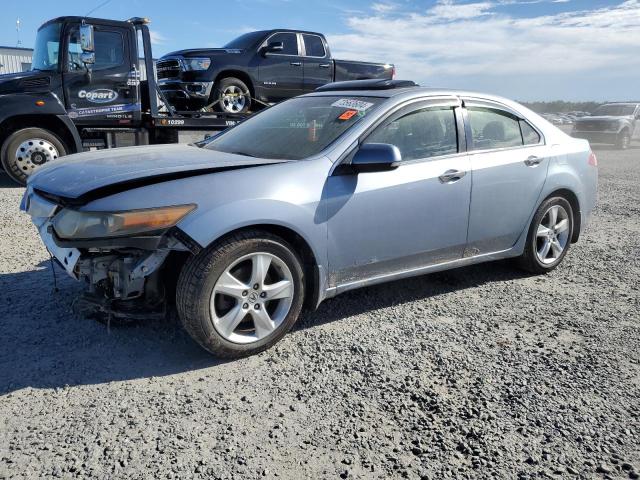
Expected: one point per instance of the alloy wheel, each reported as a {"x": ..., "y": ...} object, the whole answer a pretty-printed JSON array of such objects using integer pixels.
[
  {"x": 552, "y": 235},
  {"x": 233, "y": 99},
  {"x": 252, "y": 298}
]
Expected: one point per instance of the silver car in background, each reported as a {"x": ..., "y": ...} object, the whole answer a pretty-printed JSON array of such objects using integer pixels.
[{"x": 356, "y": 184}]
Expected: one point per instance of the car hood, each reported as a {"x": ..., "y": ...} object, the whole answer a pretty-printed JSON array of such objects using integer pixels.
[
  {"x": 200, "y": 52},
  {"x": 80, "y": 178},
  {"x": 603, "y": 117}
]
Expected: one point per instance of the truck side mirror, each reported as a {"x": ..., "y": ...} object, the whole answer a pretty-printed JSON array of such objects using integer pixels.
[
  {"x": 88, "y": 58},
  {"x": 274, "y": 47},
  {"x": 86, "y": 39}
]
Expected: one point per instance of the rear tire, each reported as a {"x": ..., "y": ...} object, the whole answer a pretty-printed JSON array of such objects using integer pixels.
[
  {"x": 231, "y": 309},
  {"x": 25, "y": 150},
  {"x": 231, "y": 95},
  {"x": 549, "y": 236}
]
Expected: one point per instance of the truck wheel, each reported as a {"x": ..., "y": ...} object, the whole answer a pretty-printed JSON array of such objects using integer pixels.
[
  {"x": 232, "y": 96},
  {"x": 624, "y": 140},
  {"x": 241, "y": 295},
  {"x": 27, "y": 149}
]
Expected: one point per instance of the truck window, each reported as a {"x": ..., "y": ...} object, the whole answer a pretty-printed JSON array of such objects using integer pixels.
[
  {"x": 45, "y": 53},
  {"x": 289, "y": 41},
  {"x": 313, "y": 46},
  {"x": 109, "y": 50}
]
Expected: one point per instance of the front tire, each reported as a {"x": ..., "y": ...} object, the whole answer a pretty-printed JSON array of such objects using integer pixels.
[
  {"x": 624, "y": 140},
  {"x": 25, "y": 150},
  {"x": 231, "y": 95},
  {"x": 241, "y": 295},
  {"x": 549, "y": 236}
]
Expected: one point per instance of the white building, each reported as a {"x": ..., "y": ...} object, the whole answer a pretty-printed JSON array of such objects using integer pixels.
[{"x": 14, "y": 59}]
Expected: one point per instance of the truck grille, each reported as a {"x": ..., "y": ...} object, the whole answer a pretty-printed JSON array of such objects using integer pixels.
[
  {"x": 592, "y": 126},
  {"x": 169, "y": 68}
]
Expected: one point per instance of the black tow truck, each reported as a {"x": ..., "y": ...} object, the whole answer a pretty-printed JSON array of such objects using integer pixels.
[{"x": 92, "y": 86}]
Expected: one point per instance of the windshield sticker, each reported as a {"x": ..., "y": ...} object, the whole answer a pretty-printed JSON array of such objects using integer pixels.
[
  {"x": 352, "y": 104},
  {"x": 347, "y": 115}
]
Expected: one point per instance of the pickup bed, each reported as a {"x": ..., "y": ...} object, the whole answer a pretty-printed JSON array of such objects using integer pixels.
[{"x": 255, "y": 69}]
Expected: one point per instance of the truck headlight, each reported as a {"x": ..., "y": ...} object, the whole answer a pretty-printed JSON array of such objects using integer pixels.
[
  {"x": 82, "y": 225},
  {"x": 196, "y": 64}
]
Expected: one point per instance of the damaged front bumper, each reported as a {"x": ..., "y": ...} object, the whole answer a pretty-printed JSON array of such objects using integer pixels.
[{"x": 117, "y": 270}]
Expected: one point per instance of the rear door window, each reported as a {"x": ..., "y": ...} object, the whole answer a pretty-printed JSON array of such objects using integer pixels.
[
  {"x": 425, "y": 133},
  {"x": 492, "y": 128},
  {"x": 313, "y": 46}
]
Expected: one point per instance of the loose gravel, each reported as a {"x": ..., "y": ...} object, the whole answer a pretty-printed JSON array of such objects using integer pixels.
[{"x": 474, "y": 373}]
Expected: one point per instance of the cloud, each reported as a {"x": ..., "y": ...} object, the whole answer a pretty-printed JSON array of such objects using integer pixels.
[
  {"x": 455, "y": 43},
  {"x": 157, "y": 38}
]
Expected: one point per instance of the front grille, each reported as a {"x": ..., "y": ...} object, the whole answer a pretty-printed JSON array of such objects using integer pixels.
[
  {"x": 592, "y": 126},
  {"x": 169, "y": 68}
]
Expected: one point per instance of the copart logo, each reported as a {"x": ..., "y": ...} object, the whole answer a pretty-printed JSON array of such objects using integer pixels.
[{"x": 101, "y": 95}]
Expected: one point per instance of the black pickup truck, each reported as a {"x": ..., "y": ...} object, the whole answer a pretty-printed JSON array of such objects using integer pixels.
[
  {"x": 256, "y": 68},
  {"x": 613, "y": 123}
]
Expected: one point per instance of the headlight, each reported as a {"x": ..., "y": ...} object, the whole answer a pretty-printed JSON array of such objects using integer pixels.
[
  {"x": 194, "y": 64},
  {"x": 74, "y": 224}
]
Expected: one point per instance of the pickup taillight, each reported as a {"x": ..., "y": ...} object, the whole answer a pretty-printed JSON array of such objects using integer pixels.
[{"x": 593, "y": 160}]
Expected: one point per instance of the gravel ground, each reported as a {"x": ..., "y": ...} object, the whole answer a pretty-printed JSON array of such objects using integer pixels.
[{"x": 474, "y": 373}]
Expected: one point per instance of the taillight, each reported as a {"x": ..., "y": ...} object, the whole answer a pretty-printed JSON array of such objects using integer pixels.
[
  {"x": 393, "y": 73},
  {"x": 593, "y": 161}
]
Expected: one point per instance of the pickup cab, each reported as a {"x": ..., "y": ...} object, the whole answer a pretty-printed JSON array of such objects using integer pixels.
[{"x": 256, "y": 69}]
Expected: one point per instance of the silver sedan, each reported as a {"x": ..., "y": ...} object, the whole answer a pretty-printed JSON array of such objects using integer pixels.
[{"x": 353, "y": 185}]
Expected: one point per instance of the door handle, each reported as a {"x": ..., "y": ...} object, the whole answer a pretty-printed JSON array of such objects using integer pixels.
[
  {"x": 324, "y": 65},
  {"x": 533, "y": 161},
  {"x": 451, "y": 176},
  {"x": 296, "y": 64}
]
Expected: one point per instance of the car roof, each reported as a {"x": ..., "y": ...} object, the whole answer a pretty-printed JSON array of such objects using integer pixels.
[{"x": 411, "y": 92}]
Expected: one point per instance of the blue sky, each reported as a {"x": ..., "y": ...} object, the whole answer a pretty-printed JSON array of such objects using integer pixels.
[{"x": 524, "y": 49}]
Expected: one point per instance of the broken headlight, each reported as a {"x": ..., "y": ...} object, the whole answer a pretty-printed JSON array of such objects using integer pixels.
[{"x": 80, "y": 225}]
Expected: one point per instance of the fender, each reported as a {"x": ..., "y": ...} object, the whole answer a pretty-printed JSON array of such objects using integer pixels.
[{"x": 24, "y": 104}]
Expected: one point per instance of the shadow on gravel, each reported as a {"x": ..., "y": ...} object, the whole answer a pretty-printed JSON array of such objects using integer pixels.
[
  {"x": 44, "y": 345},
  {"x": 6, "y": 182},
  {"x": 409, "y": 290}
]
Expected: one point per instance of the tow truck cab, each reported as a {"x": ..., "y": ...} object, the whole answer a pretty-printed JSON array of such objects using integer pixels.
[{"x": 92, "y": 85}]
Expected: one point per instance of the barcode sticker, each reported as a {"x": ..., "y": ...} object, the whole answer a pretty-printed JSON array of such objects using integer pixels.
[{"x": 352, "y": 104}]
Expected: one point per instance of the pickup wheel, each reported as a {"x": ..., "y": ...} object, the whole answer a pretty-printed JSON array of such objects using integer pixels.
[
  {"x": 624, "y": 140},
  {"x": 231, "y": 95},
  {"x": 241, "y": 295},
  {"x": 25, "y": 150}
]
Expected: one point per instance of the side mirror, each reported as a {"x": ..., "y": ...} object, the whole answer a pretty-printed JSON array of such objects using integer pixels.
[
  {"x": 88, "y": 58},
  {"x": 86, "y": 38},
  {"x": 274, "y": 47},
  {"x": 376, "y": 157}
]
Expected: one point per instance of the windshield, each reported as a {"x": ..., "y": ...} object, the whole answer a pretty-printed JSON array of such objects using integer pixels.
[
  {"x": 614, "y": 110},
  {"x": 295, "y": 129},
  {"x": 245, "y": 41},
  {"x": 45, "y": 52}
]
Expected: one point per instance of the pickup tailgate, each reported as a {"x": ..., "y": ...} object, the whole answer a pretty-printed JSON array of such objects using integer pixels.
[{"x": 352, "y": 70}]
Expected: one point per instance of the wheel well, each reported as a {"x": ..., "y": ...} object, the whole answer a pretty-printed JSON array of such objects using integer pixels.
[
  {"x": 49, "y": 122},
  {"x": 302, "y": 248},
  {"x": 240, "y": 76},
  {"x": 575, "y": 207}
]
